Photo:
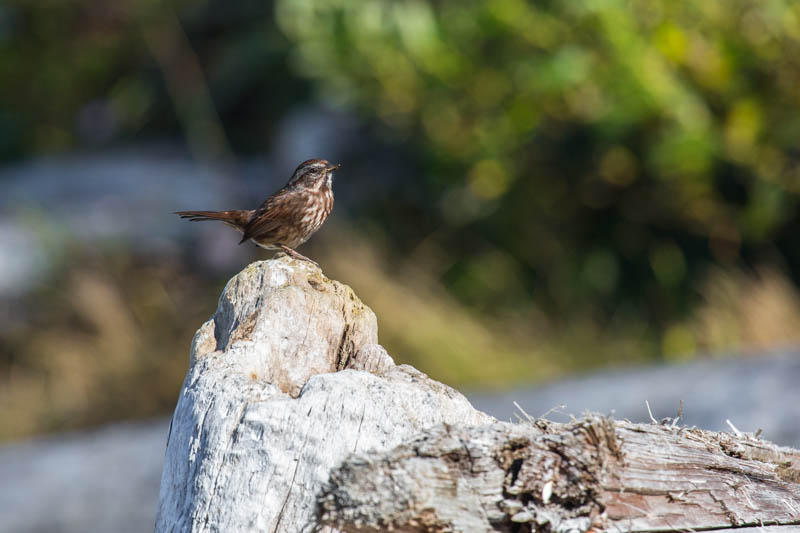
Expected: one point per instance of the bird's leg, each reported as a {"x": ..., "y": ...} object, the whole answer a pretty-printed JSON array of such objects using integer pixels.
[{"x": 296, "y": 254}]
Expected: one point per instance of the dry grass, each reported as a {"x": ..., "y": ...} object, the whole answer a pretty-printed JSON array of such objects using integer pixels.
[
  {"x": 107, "y": 338},
  {"x": 747, "y": 310}
]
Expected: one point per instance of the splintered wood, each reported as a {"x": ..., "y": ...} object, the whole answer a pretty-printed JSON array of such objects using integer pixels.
[{"x": 593, "y": 474}]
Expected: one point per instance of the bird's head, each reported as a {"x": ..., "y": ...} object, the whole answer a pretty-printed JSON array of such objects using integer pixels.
[{"x": 313, "y": 174}]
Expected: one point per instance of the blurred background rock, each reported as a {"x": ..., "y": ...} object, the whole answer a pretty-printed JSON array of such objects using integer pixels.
[{"x": 528, "y": 190}]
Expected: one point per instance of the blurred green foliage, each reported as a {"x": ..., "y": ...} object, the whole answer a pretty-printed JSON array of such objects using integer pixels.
[
  {"x": 580, "y": 162},
  {"x": 593, "y": 155},
  {"x": 79, "y": 73}
]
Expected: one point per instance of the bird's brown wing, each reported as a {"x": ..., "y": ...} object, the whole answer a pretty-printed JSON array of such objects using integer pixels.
[{"x": 277, "y": 210}]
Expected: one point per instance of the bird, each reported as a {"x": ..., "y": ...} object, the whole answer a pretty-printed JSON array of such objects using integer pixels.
[{"x": 289, "y": 217}]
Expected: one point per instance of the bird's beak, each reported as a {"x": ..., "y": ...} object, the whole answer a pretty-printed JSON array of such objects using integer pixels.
[{"x": 333, "y": 167}]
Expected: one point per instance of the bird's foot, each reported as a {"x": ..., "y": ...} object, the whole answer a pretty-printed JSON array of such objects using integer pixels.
[{"x": 297, "y": 255}]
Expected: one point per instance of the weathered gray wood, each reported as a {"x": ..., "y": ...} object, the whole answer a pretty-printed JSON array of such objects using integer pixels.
[
  {"x": 285, "y": 381},
  {"x": 593, "y": 473},
  {"x": 293, "y": 418}
]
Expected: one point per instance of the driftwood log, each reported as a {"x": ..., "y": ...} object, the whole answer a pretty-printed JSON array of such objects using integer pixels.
[
  {"x": 293, "y": 418},
  {"x": 591, "y": 474}
]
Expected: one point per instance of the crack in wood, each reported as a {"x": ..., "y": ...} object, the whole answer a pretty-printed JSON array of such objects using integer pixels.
[
  {"x": 358, "y": 431},
  {"x": 343, "y": 355},
  {"x": 288, "y": 493},
  {"x": 231, "y": 440}
]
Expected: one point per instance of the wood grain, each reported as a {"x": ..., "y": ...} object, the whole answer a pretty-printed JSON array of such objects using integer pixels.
[{"x": 594, "y": 473}]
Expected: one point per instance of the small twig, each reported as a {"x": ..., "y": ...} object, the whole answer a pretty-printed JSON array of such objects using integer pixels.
[
  {"x": 750, "y": 503},
  {"x": 733, "y": 428},
  {"x": 643, "y": 511},
  {"x": 554, "y": 409},
  {"x": 521, "y": 410},
  {"x": 790, "y": 506},
  {"x": 649, "y": 412},
  {"x": 680, "y": 414}
]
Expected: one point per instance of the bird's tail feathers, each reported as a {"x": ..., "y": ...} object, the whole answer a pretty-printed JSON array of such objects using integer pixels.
[{"x": 237, "y": 219}]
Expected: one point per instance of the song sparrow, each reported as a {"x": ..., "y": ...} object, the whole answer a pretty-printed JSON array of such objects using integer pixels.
[{"x": 289, "y": 217}]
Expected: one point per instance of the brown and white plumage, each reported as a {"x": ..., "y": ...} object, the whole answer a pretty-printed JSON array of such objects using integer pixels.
[{"x": 289, "y": 217}]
